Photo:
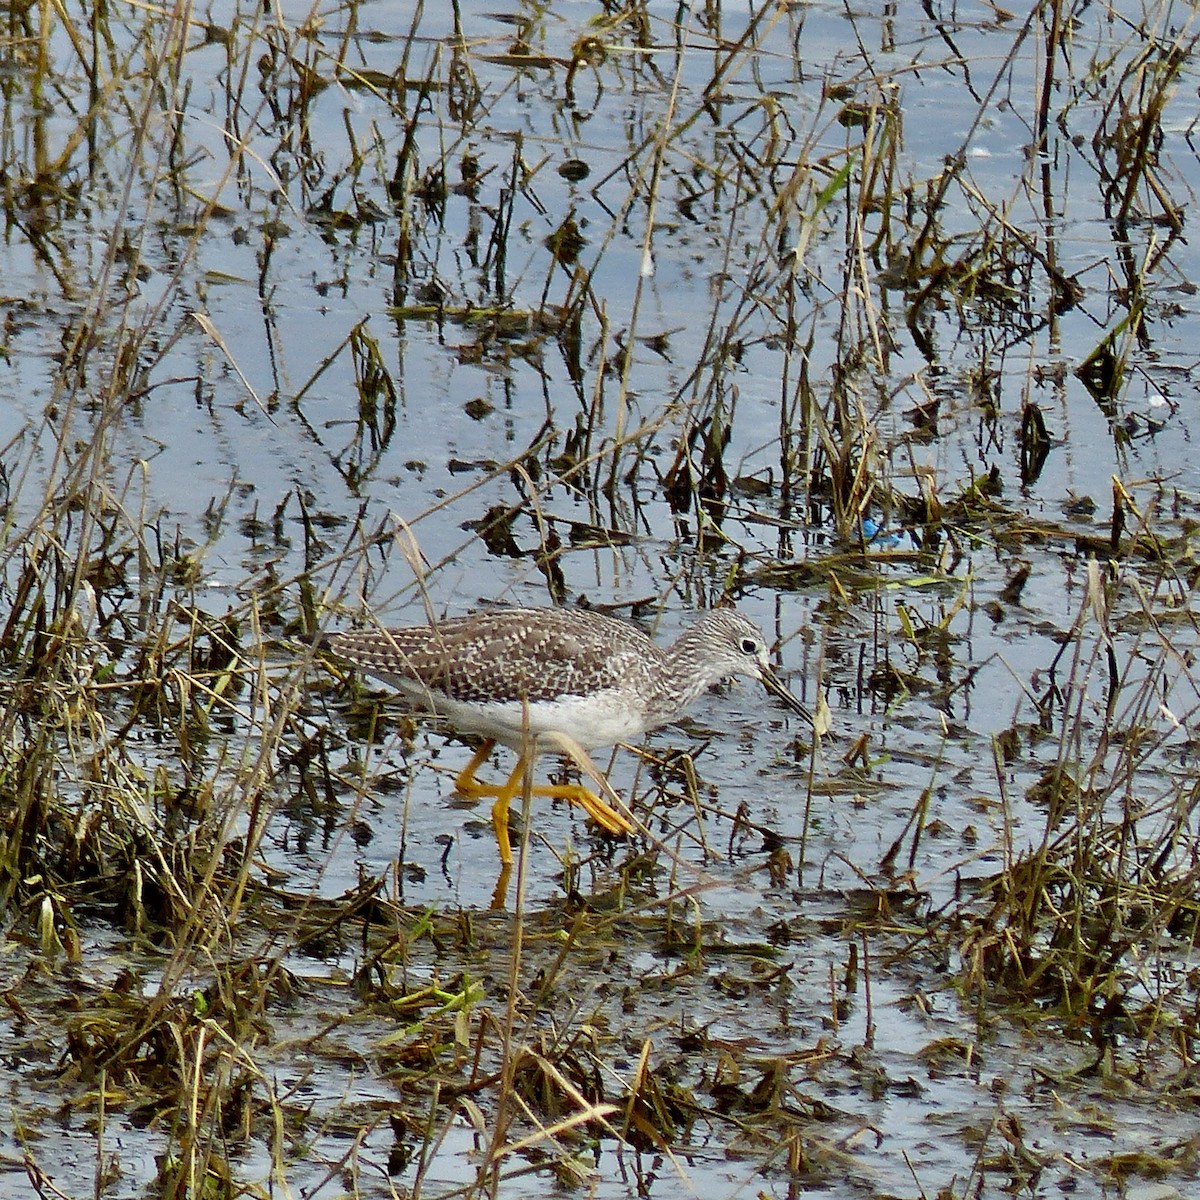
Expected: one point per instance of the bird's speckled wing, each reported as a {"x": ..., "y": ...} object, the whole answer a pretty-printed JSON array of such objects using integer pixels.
[{"x": 505, "y": 655}]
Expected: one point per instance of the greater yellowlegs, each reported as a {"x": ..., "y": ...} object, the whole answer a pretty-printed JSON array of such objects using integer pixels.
[{"x": 527, "y": 675}]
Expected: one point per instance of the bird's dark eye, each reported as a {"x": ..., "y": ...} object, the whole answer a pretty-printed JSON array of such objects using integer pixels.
[{"x": 749, "y": 646}]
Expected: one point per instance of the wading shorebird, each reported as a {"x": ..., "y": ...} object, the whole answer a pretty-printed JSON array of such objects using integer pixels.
[{"x": 564, "y": 678}]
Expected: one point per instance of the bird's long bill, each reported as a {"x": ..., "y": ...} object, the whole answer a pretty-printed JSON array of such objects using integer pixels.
[{"x": 776, "y": 687}]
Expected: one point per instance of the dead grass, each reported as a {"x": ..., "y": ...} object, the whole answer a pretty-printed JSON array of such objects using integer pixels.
[{"x": 153, "y": 742}]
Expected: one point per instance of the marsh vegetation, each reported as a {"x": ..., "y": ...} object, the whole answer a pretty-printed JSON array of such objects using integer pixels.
[{"x": 883, "y": 325}]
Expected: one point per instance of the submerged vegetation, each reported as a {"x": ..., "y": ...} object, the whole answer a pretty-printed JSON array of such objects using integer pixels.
[{"x": 886, "y": 330}]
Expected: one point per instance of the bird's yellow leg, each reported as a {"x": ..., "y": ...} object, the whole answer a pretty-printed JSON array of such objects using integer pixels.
[
  {"x": 466, "y": 782},
  {"x": 504, "y": 797},
  {"x": 475, "y": 789},
  {"x": 601, "y": 812}
]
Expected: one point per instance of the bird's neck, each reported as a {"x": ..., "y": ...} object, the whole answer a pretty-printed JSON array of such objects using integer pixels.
[{"x": 685, "y": 679}]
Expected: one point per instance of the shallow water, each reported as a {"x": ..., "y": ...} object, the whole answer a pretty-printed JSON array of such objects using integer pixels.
[{"x": 250, "y": 423}]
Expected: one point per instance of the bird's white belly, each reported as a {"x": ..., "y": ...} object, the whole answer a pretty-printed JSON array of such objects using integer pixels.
[{"x": 592, "y": 721}]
